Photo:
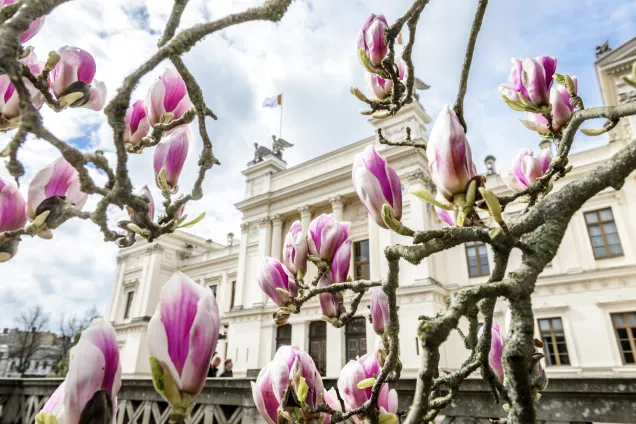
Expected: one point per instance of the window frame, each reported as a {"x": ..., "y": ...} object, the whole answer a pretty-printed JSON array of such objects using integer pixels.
[
  {"x": 475, "y": 245},
  {"x": 357, "y": 262},
  {"x": 630, "y": 337},
  {"x": 600, "y": 223},
  {"x": 130, "y": 298},
  {"x": 233, "y": 295},
  {"x": 553, "y": 342},
  {"x": 215, "y": 290},
  {"x": 351, "y": 335},
  {"x": 278, "y": 337},
  {"x": 321, "y": 339}
]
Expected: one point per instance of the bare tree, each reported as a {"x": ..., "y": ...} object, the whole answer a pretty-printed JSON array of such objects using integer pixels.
[
  {"x": 31, "y": 324},
  {"x": 70, "y": 328}
]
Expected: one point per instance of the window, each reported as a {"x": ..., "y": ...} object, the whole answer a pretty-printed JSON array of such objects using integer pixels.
[
  {"x": 553, "y": 337},
  {"x": 361, "y": 260},
  {"x": 37, "y": 364},
  {"x": 129, "y": 300},
  {"x": 625, "y": 329},
  {"x": 356, "y": 338},
  {"x": 213, "y": 288},
  {"x": 233, "y": 294},
  {"x": 318, "y": 345},
  {"x": 603, "y": 234},
  {"x": 283, "y": 335},
  {"x": 477, "y": 258},
  {"x": 44, "y": 365}
]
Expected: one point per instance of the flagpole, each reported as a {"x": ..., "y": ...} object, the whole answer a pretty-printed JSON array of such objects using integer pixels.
[{"x": 280, "y": 131}]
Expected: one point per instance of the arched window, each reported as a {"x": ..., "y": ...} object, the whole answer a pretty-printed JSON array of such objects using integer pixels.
[
  {"x": 356, "y": 338},
  {"x": 283, "y": 335},
  {"x": 318, "y": 345}
]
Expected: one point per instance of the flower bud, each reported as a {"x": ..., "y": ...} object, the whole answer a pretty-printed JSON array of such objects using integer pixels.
[
  {"x": 376, "y": 183},
  {"x": 355, "y": 373},
  {"x": 136, "y": 123},
  {"x": 561, "y": 111},
  {"x": 167, "y": 98},
  {"x": 12, "y": 207},
  {"x": 329, "y": 302},
  {"x": 380, "y": 88},
  {"x": 496, "y": 351},
  {"x": 526, "y": 169},
  {"x": 325, "y": 235},
  {"x": 170, "y": 155},
  {"x": 94, "y": 375},
  {"x": 72, "y": 80},
  {"x": 277, "y": 282},
  {"x": 182, "y": 336},
  {"x": 379, "y": 310},
  {"x": 295, "y": 249},
  {"x": 57, "y": 180},
  {"x": 291, "y": 371},
  {"x": 341, "y": 262},
  {"x": 371, "y": 39},
  {"x": 530, "y": 80},
  {"x": 450, "y": 160},
  {"x": 33, "y": 29},
  {"x": 9, "y": 98},
  {"x": 147, "y": 194}
]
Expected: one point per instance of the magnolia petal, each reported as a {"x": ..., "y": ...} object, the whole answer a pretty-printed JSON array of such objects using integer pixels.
[
  {"x": 84, "y": 378},
  {"x": 341, "y": 262},
  {"x": 154, "y": 102},
  {"x": 259, "y": 402},
  {"x": 158, "y": 345},
  {"x": 350, "y": 376},
  {"x": 103, "y": 335},
  {"x": 511, "y": 181},
  {"x": 97, "y": 96},
  {"x": 204, "y": 335}
]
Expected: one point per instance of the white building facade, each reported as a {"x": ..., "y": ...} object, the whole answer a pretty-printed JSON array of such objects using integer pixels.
[{"x": 584, "y": 303}]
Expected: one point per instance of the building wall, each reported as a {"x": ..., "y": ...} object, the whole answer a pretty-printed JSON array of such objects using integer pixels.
[{"x": 577, "y": 288}]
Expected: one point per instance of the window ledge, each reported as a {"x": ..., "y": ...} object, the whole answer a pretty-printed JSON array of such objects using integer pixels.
[{"x": 554, "y": 369}]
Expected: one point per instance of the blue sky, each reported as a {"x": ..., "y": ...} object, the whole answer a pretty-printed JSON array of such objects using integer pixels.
[{"x": 310, "y": 56}]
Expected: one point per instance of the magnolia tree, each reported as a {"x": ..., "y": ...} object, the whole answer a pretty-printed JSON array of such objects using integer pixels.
[{"x": 184, "y": 330}]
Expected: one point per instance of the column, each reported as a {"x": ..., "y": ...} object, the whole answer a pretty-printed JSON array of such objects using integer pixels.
[
  {"x": 264, "y": 246},
  {"x": 116, "y": 292},
  {"x": 277, "y": 237},
  {"x": 149, "y": 274},
  {"x": 335, "y": 352},
  {"x": 305, "y": 217},
  {"x": 419, "y": 220},
  {"x": 240, "y": 272},
  {"x": 375, "y": 254},
  {"x": 337, "y": 207},
  {"x": 300, "y": 337}
]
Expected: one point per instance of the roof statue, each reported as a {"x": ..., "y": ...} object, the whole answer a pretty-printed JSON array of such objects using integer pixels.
[
  {"x": 420, "y": 86},
  {"x": 603, "y": 49},
  {"x": 278, "y": 145}
]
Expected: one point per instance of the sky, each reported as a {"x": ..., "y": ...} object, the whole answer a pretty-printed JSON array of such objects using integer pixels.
[{"x": 309, "y": 56}]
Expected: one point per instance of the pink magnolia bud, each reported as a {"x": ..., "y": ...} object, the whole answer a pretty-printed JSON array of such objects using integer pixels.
[
  {"x": 183, "y": 332},
  {"x": 379, "y": 310},
  {"x": 381, "y": 88},
  {"x": 171, "y": 154},
  {"x": 274, "y": 275},
  {"x": 450, "y": 160},
  {"x": 295, "y": 249},
  {"x": 33, "y": 29},
  {"x": 329, "y": 302},
  {"x": 75, "y": 73},
  {"x": 147, "y": 194},
  {"x": 353, "y": 373},
  {"x": 448, "y": 216},
  {"x": 341, "y": 262},
  {"x": 58, "y": 179},
  {"x": 281, "y": 374},
  {"x": 93, "y": 366},
  {"x": 325, "y": 235},
  {"x": 12, "y": 207},
  {"x": 526, "y": 169},
  {"x": 496, "y": 351},
  {"x": 532, "y": 78},
  {"x": 371, "y": 39},
  {"x": 136, "y": 121},
  {"x": 9, "y": 98},
  {"x": 167, "y": 95},
  {"x": 376, "y": 183},
  {"x": 561, "y": 111}
]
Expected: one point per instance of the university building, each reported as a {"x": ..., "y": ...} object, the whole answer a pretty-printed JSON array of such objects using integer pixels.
[{"x": 584, "y": 302}]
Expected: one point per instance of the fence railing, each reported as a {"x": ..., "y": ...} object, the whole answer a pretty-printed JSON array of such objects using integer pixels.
[{"x": 229, "y": 401}]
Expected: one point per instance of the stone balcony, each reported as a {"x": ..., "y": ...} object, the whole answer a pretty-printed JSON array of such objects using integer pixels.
[{"x": 229, "y": 401}]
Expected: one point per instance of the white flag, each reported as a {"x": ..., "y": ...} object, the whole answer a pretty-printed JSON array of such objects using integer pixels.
[{"x": 273, "y": 101}]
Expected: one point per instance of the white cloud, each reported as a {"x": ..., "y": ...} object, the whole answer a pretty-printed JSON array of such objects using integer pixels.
[{"x": 310, "y": 57}]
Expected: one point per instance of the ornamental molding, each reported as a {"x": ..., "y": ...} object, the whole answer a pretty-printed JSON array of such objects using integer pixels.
[
  {"x": 277, "y": 220},
  {"x": 122, "y": 258},
  {"x": 304, "y": 210},
  {"x": 244, "y": 227}
]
